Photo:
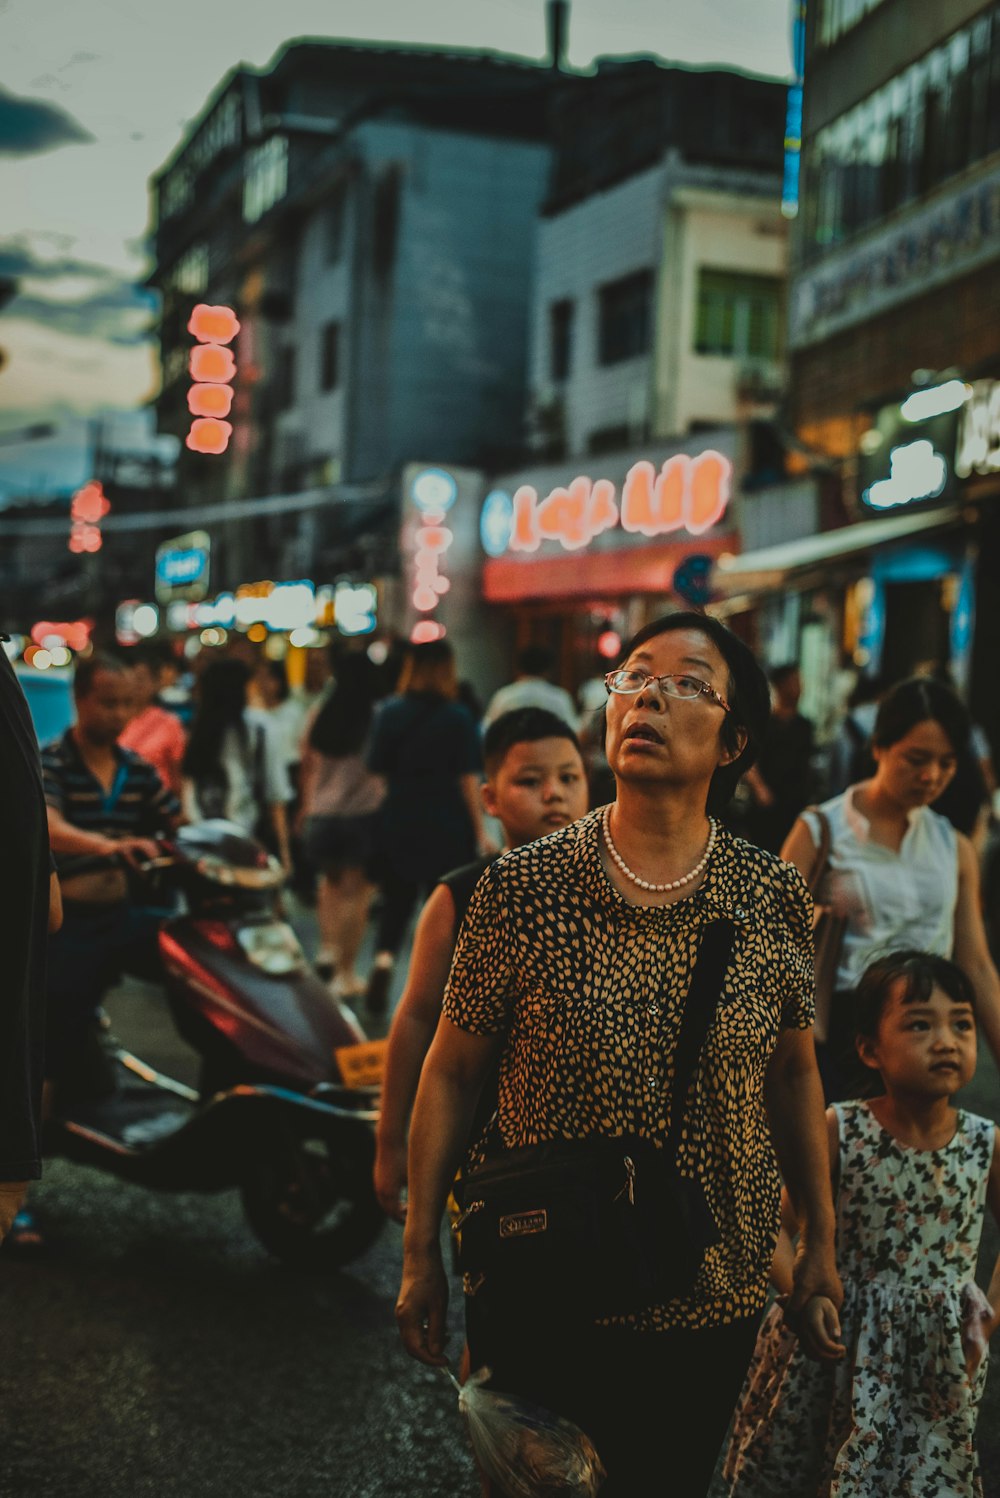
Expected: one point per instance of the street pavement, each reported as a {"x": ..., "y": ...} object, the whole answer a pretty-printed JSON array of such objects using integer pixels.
[{"x": 155, "y": 1349}]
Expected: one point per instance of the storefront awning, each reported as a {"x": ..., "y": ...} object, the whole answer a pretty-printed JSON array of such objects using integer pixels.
[
  {"x": 767, "y": 569},
  {"x": 580, "y": 575}
]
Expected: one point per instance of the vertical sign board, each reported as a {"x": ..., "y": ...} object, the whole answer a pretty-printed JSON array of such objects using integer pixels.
[{"x": 182, "y": 568}]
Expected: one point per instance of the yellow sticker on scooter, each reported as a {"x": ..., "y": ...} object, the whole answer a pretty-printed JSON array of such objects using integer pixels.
[{"x": 362, "y": 1065}]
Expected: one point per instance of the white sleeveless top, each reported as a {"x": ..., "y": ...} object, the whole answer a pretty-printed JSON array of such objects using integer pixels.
[{"x": 891, "y": 900}]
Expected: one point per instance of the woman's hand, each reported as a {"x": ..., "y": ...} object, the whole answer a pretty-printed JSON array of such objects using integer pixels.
[
  {"x": 423, "y": 1306},
  {"x": 390, "y": 1177},
  {"x": 818, "y": 1330},
  {"x": 815, "y": 1278}
]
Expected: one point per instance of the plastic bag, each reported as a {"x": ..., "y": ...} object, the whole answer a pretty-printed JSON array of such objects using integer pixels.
[{"x": 527, "y": 1451}]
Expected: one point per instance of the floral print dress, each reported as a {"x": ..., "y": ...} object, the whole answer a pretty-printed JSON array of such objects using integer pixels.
[{"x": 896, "y": 1417}]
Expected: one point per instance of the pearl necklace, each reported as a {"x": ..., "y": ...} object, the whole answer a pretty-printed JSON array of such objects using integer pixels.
[{"x": 658, "y": 889}]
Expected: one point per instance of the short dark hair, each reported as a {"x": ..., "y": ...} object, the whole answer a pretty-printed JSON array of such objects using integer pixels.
[
  {"x": 921, "y": 971},
  {"x": 748, "y": 694},
  {"x": 915, "y": 701},
  {"x": 155, "y": 655},
  {"x": 535, "y": 660},
  {"x": 523, "y": 725},
  {"x": 86, "y": 670}
]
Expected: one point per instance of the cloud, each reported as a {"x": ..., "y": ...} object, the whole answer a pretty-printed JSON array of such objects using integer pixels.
[
  {"x": 76, "y": 297},
  {"x": 29, "y": 126}
]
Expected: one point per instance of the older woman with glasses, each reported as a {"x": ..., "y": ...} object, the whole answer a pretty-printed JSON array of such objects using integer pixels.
[{"x": 582, "y": 971}]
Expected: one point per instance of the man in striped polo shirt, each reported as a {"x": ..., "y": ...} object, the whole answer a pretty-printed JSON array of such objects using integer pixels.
[{"x": 105, "y": 804}]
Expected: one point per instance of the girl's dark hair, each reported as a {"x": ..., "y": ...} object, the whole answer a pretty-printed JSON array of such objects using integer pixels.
[
  {"x": 921, "y": 971},
  {"x": 747, "y": 692},
  {"x": 342, "y": 723},
  {"x": 915, "y": 701},
  {"x": 222, "y": 698}
]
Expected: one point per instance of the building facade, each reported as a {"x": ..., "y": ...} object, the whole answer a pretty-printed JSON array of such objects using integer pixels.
[
  {"x": 656, "y": 343},
  {"x": 894, "y": 331},
  {"x": 369, "y": 215}
]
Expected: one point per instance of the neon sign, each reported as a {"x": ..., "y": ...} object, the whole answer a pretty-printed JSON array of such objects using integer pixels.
[
  {"x": 686, "y": 494},
  {"x": 433, "y": 492},
  {"x": 212, "y": 368},
  {"x": 916, "y": 472},
  {"x": 88, "y": 508}
]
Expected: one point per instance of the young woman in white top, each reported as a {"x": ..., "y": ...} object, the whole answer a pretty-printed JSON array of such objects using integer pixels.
[
  {"x": 233, "y": 766},
  {"x": 900, "y": 873}
]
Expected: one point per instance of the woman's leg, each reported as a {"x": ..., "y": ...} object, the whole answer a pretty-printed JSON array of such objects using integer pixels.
[{"x": 348, "y": 920}]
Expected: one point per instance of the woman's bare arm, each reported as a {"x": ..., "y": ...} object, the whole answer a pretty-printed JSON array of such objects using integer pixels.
[
  {"x": 413, "y": 1028},
  {"x": 971, "y": 950}
]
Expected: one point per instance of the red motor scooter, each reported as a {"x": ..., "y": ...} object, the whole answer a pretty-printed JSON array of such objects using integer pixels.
[{"x": 288, "y": 1090}]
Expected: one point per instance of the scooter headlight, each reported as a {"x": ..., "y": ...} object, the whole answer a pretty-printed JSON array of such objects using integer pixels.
[
  {"x": 271, "y": 876},
  {"x": 273, "y": 947},
  {"x": 216, "y": 869}
]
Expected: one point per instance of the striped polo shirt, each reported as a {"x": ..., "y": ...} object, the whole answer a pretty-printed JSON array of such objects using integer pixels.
[{"x": 137, "y": 805}]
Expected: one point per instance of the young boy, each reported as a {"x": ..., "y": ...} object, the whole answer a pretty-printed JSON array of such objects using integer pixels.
[{"x": 535, "y": 783}]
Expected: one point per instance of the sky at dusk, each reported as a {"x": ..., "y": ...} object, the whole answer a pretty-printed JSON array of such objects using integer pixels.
[{"x": 96, "y": 94}]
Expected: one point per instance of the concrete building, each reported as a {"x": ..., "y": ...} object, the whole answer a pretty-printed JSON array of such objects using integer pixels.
[
  {"x": 369, "y": 213},
  {"x": 656, "y": 337},
  {"x": 894, "y": 331}
]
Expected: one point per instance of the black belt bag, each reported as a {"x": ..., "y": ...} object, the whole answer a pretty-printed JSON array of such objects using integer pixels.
[{"x": 603, "y": 1225}]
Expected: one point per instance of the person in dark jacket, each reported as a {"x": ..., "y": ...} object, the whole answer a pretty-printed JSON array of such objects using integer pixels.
[{"x": 26, "y": 890}]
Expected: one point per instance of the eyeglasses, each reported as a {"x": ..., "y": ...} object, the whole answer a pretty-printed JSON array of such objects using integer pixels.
[{"x": 684, "y": 688}]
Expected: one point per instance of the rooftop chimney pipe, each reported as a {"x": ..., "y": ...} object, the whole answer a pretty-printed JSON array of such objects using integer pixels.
[{"x": 557, "y": 18}]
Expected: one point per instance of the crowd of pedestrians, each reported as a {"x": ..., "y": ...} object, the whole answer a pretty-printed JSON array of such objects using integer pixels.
[{"x": 624, "y": 1013}]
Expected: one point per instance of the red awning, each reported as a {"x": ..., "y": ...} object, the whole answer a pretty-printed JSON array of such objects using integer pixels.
[{"x": 589, "y": 574}]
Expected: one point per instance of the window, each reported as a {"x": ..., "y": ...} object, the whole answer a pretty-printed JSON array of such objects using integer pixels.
[
  {"x": 329, "y": 377},
  {"x": 626, "y": 316},
  {"x": 190, "y": 274},
  {"x": 938, "y": 116},
  {"x": 284, "y": 379},
  {"x": 265, "y": 177},
  {"x": 560, "y": 340},
  {"x": 334, "y": 226},
  {"x": 739, "y": 316}
]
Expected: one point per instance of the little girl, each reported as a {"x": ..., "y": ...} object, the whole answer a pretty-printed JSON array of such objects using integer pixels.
[{"x": 888, "y": 1407}]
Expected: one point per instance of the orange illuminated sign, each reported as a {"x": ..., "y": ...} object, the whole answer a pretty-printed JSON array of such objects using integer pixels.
[
  {"x": 87, "y": 509},
  {"x": 213, "y": 324},
  {"x": 74, "y": 633},
  {"x": 213, "y": 368},
  {"x": 208, "y": 435},
  {"x": 687, "y": 493}
]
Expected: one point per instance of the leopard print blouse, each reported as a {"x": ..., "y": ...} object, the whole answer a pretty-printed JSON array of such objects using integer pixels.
[{"x": 588, "y": 990}]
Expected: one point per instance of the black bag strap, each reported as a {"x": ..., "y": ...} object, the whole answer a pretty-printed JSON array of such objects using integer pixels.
[{"x": 704, "y": 992}]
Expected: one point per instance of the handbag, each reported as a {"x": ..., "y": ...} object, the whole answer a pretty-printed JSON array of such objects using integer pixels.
[
  {"x": 604, "y": 1225},
  {"x": 828, "y": 931}
]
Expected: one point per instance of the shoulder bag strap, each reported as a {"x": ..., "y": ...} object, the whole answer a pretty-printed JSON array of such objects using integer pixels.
[
  {"x": 702, "y": 1000},
  {"x": 822, "y": 852}
]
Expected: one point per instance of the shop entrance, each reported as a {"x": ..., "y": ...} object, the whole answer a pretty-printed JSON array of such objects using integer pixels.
[{"x": 916, "y": 627}]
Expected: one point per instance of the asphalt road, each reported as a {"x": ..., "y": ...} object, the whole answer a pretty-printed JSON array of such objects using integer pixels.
[{"x": 155, "y": 1349}]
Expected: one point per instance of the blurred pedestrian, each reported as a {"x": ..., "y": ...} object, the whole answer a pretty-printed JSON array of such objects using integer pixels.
[
  {"x": 535, "y": 783},
  {"x": 897, "y": 873},
  {"x": 781, "y": 782},
  {"x": 427, "y": 747},
  {"x": 890, "y": 1405},
  {"x": 850, "y": 756},
  {"x": 234, "y": 766},
  {"x": 286, "y": 713},
  {"x": 532, "y": 688},
  {"x": 966, "y": 800},
  {"x": 29, "y": 908},
  {"x": 574, "y": 968},
  {"x": 339, "y": 812},
  {"x": 105, "y": 807},
  {"x": 152, "y": 731}
]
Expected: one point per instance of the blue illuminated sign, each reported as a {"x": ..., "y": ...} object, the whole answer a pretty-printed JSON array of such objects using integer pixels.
[
  {"x": 182, "y": 568},
  {"x": 496, "y": 522}
]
